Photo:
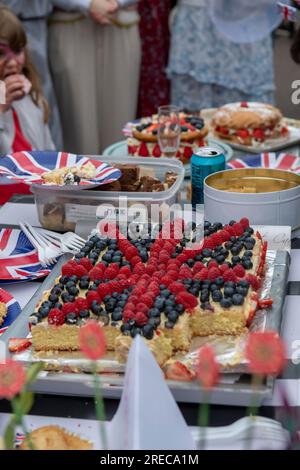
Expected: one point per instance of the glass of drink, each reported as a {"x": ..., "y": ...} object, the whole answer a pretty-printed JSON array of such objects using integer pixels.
[{"x": 168, "y": 130}]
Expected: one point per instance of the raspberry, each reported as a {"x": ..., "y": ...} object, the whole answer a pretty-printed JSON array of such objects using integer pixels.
[
  {"x": 128, "y": 316},
  {"x": 146, "y": 299},
  {"x": 142, "y": 307},
  {"x": 230, "y": 230},
  {"x": 254, "y": 281},
  {"x": 139, "y": 290},
  {"x": 86, "y": 263},
  {"x": 125, "y": 270},
  {"x": 122, "y": 276},
  {"x": 164, "y": 256},
  {"x": 176, "y": 287},
  {"x": 81, "y": 304},
  {"x": 181, "y": 258},
  {"x": 131, "y": 252},
  {"x": 56, "y": 317},
  {"x": 133, "y": 279},
  {"x": 208, "y": 243},
  {"x": 217, "y": 239},
  {"x": 96, "y": 273},
  {"x": 141, "y": 319},
  {"x": 110, "y": 273},
  {"x": 244, "y": 222},
  {"x": 123, "y": 244},
  {"x": 69, "y": 307},
  {"x": 213, "y": 264},
  {"x": 123, "y": 284},
  {"x": 229, "y": 275},
  {"x": 166, "y": 280},
  {"x": 173, "y": 274},
  {"x": 139, "y": 268},
  {"x": 91, "y": 296},
  {"x": 129, "y": 306},
  {"x": 203, "y": 275},
  {"x": 135, "y": 260},
  {"x": 115, "y": 286},
  {"x": 238, "y": 229},
  {"x": 168, "y": 247},
  {"x": 213, "y": 273},
  {"x": 189, "y": 301},
  {"x": 134, "y": 299},
  {"x": 150, "y": 269},
  {"x": 80, "y": 271},
  {"x": 73, "y": 263},
  {"x": 197, "y": 267},
  {"x": 225, "y": 235},
  {"x": 162, "y": 267},
  {"x": 224, "y": 267},
  {"x": 239, "y": 270},
  {"x": 68, "y": 270},
  {"x": 185, "y": 273}
]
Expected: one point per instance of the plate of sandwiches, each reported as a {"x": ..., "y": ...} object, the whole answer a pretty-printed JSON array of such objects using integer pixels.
[
  {"x": 60, "y": 170},
  {"x": 253, "y": 127}
]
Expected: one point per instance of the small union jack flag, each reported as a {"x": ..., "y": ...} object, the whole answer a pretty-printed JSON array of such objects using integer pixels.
[
  {"x": 282, "y": 161},
  {"x": 288, "y": 12},
  {"x": 27, "y": 167},
  {"x": 18, "y": 258}
]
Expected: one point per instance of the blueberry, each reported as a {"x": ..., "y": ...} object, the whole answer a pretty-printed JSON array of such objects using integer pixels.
[
  {"x": 169, "y": 325},
  {"x": 65, "y": 297},
  {"x": 159, "y": 304},
  {"x": 190, "y": 262},
  {"x": 110, "y": 306},
  {"x": 107, "y": 257},
  {"x": 237, "y": 299},
  {"x": 56, "y": 290},
  {"x": 220, "y": 259},
  {"x": 247, "y": 263},
  {"x": 165, "y": 293},
  {"x": 217, "y": 296},
  {"x": 100, "y": 245},
  {"x": 115, "y": 295},
  {"x": 248, "y": 254},
  {"x": 53, "y": 298},
  {"x": 232, "y": 222},
  {"x": 84, "y": 284},
  {"x": 228, "y": 245},
  {"x": 230, "y": 284},
  {"x": 73, "y": 291},
  {"x": 235, "y": 259},
  {"x": 179, "y": 308},
  {"x": 219, "y": 281},
  {"x": 121, "y": 303},
  {"x": 242, "y": 290},
  {"x": 93, "y": 287},
  {"x": 204, "y": 297},
  {"x": 71, "y": 319},
  {"x": 248, "y": 246},
  {"x": 162, "y": 287},
  {"x": 229, "y": 291},
  {"x": 154, "y": 312},
  {"x": 235, "y": 250},
  {"x": 173, "y": 316},
  {"x": 155, "y": 322},
  {"x": 96, "y": 308},
  {"x": 226, "y": 303},
  {"x": 207, "y": 306},
  {"x": 169, "y": 303},
  {"x": 58, "y": 305},
  {"x": 207, "y": 224},
  {"x": 194, "y": 291},
  {"x": 207, "y": 252},
  {"x": 74, "y": 278},
  {"x": 244, "y": 283},
  {"x": 44, "y": 311},
  {"x": 198, "y": 258},
  {"x": 148, "y": 331},
  {"x": 116, "y": 316},
  {"x": 206, "y": 283},
  {"x": 249, "y": 230},
  {"x": 125, "y": 328},
  {"x": 84, "y": 314},
  {"x": 107, "y": 298}
]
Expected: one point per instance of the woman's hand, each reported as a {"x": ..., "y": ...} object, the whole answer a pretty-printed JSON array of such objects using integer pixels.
[
  {"x": 14, "y": 90},
  {"x": 102, "y": 11}
]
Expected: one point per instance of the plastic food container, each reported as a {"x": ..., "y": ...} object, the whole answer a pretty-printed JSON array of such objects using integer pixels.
[
  {"x": 266, "y": 196},
  {"x": 60, "y": 210}
]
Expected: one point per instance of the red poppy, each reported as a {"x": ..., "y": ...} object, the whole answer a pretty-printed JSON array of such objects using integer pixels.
[
  {"x": 12, "y": 379},
  {"x": 207, "y": 368},
  {"x": 92, "y": 340},
  {"x": 265, "y": 352}
]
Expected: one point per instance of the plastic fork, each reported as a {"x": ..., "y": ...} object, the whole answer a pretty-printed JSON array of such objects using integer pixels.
[
  {"x": 41, "y": 252},
  {"x": 68, "y": 242},
  {"x": 51, "y": 252}
]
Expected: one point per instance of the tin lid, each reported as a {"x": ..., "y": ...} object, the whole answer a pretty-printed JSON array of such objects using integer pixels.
[{"x": 208, "y": 152}]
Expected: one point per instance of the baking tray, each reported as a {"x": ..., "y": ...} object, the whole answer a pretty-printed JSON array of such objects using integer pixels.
[{"x": 235, "y": 389}]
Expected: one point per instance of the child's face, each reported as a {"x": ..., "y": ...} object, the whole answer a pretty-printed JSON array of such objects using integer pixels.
[{"x": 11, "y": 62}]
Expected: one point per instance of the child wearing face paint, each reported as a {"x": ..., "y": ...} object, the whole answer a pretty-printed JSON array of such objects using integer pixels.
[{"x": 23, "y": 109}]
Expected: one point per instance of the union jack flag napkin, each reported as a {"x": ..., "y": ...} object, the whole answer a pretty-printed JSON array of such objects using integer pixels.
[{"x": 281, "y": 161}]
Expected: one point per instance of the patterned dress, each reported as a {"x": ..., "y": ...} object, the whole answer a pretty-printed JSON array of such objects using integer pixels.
[
  {"x": 207, "y": 70},
  {"x": 154, "y": 29}
]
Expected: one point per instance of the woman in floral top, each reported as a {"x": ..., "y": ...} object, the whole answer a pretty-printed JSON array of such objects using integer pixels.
[{"x": 208, "y": 70}]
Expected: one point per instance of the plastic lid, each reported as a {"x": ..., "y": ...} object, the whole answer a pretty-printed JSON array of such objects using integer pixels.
[{"x": 244, "y": 21}]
